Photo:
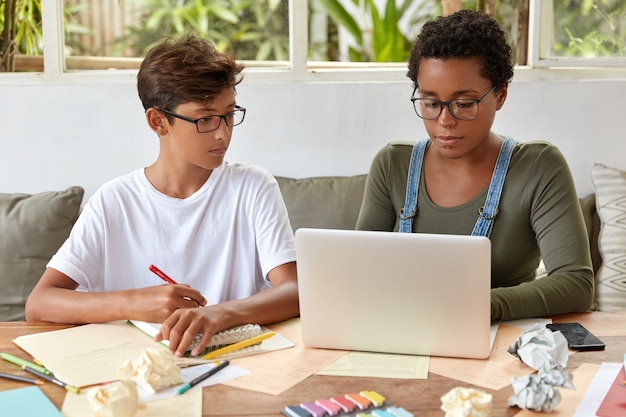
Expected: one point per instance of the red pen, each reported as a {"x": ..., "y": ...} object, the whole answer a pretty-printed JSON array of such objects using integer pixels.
[
  {"x": 161, "y": 274},
  {"x": 164, "y": 277}
]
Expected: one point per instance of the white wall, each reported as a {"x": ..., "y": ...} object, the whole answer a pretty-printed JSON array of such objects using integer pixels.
[{"x": 54, "y": 135}]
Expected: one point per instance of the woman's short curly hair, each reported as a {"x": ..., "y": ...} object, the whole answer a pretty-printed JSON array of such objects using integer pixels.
[{"x": 465, "y": 34}]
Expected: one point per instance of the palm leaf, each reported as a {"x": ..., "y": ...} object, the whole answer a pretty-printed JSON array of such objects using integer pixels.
[{"x": 342, "y": 18}]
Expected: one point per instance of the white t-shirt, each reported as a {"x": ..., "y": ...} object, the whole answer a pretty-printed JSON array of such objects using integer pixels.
[{"x": 222, "y": 240}]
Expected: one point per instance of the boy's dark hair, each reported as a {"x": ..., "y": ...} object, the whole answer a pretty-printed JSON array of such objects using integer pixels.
[
  {"x": 184, "y": 70},
  {"x": 465, "y": 34}
]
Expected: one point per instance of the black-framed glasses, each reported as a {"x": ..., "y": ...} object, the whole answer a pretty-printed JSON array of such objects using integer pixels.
[
  {"x": 210, "y": 123},
  {"x": 462, "y": 108}
]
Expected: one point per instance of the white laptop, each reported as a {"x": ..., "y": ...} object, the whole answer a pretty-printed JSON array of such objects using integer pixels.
[{"x": 409, "y": 293}]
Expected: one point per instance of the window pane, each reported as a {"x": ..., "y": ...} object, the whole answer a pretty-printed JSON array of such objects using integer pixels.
[
  {"x": 256, "y": 30},
  {"x": 348, "y": 31},
  {"x": 589, "y": 29},
  {"x": 20, "y": 36}
]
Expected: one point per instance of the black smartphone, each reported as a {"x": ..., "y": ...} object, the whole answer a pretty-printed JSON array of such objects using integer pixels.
[{"x": 578, "y": 338}]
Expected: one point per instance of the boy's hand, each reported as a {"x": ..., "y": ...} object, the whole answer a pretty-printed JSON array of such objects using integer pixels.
[
  {"x": 182, "y": 326},
  {"x": 157, "y": 303}
]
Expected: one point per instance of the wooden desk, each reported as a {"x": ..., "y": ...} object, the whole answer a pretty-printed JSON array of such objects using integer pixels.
[{"x": 421, "y": 397}]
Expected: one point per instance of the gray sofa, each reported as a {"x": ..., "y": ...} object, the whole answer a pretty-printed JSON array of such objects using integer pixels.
[
  {"x": 32, "y": 227},
  {"x": 334, "y": 203}
]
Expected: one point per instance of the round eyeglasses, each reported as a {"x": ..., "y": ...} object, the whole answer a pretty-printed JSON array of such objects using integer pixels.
[
  {"x": 462, "y": 108},
  {"x": 210, "y": 123}
]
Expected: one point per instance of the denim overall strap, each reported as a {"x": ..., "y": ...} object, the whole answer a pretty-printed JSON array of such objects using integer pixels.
[
  {"x": 489, "y": 211},
  {"x": 408, "y": 213}
]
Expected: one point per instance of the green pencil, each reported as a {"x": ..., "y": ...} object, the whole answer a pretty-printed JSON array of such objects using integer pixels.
[{"x": 23, "y": 362}]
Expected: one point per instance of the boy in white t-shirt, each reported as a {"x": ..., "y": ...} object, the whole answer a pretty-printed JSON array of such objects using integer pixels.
[{"x": 220, "y": 230}]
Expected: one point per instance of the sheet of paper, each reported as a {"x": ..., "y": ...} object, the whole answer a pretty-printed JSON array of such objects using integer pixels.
[
  {"x": 527, "y": 324},
  {"x": 614, "y": 403},
  {"x": 188, "y": 374},
  {"x": 93, "y": 353},
  {"x": 89, "y": 354},
  {"x": 30, "y": 401},
  {"x": 600, "y": 383},
  {"x": 493, "y": 331},
  {"x": 189, "y": 405},
  {"x": 492, "y": 373},
  {"x": 382, "y": 365},
  {"x": 403, "y": 366},
  {"x": 276, "y": 372},
  {"x": 570, "y": 399},
  {"x": 276, "y": 342}
]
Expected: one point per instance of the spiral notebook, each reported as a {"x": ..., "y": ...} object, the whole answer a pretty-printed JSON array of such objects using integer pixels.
[
  {"x": 219, "y": 340},
  {"x": 410, "y": 293}
]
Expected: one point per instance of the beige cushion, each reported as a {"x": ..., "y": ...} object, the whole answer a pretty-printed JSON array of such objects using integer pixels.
[
  {"x": 32, "y": 227},
  {"x": 323, "y": 202},
  {"x": 610, "y": 190}
]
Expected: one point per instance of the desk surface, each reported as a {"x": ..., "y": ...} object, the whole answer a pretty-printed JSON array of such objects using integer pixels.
[{"x": 421, "y": 397}]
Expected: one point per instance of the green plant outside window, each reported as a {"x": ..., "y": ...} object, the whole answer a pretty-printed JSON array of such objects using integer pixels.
[{"x": 258, "y": 30}]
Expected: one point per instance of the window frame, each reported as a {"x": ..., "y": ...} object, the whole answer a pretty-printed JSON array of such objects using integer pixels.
[
  {"x": 541, "y": 30},
  {"x": 298, "y": 69}
]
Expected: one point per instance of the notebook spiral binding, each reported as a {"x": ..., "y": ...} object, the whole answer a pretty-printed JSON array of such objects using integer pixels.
[{"x": 229, "y": 336}]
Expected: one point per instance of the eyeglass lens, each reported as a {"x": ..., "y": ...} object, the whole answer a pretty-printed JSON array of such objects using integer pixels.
[
  {"x": 210, "y": 123},
  {"x": 431, "y": 109}
]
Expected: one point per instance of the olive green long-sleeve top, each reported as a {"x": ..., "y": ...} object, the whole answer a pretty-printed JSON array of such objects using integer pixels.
[{"x": 539, "y": 218}]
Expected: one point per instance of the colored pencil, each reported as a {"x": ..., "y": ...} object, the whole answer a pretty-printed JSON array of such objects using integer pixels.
[
  {"x": 20, "y": 378},
  {"x": 236, "y": 346},
  {"x": 200, "y": 378}
]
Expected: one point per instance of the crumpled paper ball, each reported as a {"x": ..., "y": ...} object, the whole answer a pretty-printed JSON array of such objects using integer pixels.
[
  {"x": 540, "y": 346},
  {"x": 117, "y": 399},
  {"x": 466, "y": 402},
  {"x": 547, "y": 352},
  {"x": 536, "y": 392},
  {"x": 154, "y": 369}
]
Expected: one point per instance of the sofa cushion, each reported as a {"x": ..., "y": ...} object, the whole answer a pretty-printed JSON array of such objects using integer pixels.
[
  {"x": 610, "y": 189},
  {"x": 32, "y": 227},
  {"x": 323, "y": 202}
]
